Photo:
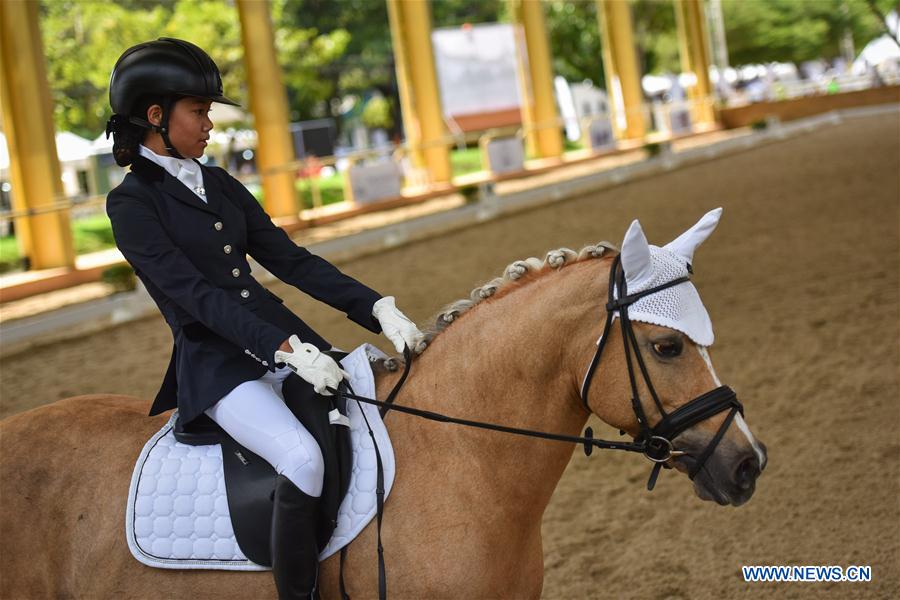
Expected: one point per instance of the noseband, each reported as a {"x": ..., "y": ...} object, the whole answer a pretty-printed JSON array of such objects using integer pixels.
[{"x": 656, "y": 443}]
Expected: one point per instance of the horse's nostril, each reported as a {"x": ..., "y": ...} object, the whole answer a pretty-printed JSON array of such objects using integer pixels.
[{"x": 746, "y": 473}]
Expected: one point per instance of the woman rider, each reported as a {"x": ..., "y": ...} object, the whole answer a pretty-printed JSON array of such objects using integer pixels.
[{"x": 186, "y": 230}]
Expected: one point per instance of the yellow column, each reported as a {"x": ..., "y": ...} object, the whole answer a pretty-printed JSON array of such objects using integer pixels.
[
  {"x": 268, "y": 101},
  {"x": 45, "y": 238},
  {"x": 420, "y": 99},
  {"x": 620, "y": 63},
  {"x": 539, "y": 116},
  {"x": 693, "y": 44}
]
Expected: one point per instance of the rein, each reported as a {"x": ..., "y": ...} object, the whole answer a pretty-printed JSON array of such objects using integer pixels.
[{"x": 655, "y": 443}]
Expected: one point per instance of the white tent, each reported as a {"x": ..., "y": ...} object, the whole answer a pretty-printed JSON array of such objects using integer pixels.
[
  {"x": 101, "y": 145},
  {"x": 225, "y": 114},
  {"x": 4, "y": 154},
  {"x": 71, "y": 147},
  {"x": 74, "y": 153},
  {"x": 880, "y": 51},
  {"x": 655, "y": 84}
]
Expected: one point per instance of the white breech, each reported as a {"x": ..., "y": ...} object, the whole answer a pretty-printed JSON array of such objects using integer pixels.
[{"x": 254, "y": 414}]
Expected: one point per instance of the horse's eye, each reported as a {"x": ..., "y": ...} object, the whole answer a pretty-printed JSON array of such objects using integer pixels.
[{"x": 667, "y": 349}]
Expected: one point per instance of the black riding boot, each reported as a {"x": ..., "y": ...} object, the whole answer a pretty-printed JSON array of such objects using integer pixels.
[{"x": 295, "y": 553}]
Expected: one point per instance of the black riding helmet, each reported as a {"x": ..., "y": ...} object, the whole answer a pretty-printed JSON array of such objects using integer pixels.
[{"x": 166, "y": 67}]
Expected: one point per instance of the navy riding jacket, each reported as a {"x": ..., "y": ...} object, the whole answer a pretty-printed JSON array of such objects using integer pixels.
[{"x": 191, "y": 257}]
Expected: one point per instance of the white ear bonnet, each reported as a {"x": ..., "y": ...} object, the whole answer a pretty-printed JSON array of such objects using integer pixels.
[{"x": 646, "y": 266}]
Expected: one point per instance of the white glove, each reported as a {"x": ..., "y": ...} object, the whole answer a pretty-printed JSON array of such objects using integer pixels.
[
  {"x": 314, "y": 367},
  {"x": 396, "y": 326}
]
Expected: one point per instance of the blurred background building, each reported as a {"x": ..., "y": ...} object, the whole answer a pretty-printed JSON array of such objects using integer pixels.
[{"x": 356, "y": 102}]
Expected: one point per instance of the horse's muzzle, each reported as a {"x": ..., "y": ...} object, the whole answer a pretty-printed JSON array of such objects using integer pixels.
[{"x": 728, "y": 477}]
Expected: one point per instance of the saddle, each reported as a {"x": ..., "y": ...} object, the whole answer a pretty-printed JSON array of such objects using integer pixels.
[{"x": 250, "y": 480}]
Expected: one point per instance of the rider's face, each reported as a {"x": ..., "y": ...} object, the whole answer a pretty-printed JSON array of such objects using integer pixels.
[{"x": 189, "y": 125}]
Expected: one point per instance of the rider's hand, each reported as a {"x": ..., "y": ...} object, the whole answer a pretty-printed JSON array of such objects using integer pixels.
[
  {"x": 314, "y": 367},
  {"x": 397, "y": 327}
]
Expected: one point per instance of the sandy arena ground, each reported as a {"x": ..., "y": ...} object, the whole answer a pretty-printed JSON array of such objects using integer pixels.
[{"x": 801, "y": 281}]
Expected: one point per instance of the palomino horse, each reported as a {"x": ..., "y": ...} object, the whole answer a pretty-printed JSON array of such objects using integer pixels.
[{"x": 464, "y": 517}]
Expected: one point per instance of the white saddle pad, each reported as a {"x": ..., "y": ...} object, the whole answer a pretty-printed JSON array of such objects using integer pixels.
[{"x": 177, "y": 515}]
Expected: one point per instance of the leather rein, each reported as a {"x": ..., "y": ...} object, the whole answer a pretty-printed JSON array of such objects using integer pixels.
[{"x": 655, "y": 443}]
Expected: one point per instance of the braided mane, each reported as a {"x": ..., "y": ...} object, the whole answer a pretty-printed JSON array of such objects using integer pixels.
[{"x": 516, "y": 273}]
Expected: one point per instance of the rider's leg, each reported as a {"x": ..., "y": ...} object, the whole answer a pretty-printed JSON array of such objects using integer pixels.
[{"x": 255, "y": 415}]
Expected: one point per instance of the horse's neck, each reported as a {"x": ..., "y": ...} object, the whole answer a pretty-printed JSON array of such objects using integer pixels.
[{"x": 508, "y": 361}]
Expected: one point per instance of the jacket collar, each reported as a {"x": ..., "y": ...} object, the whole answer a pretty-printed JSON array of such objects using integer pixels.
[
  {"x": 171, "y": 164},
  {"x": 151, "y": 172}
]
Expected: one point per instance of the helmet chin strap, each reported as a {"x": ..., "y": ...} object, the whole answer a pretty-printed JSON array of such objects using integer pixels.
[{"x": 162, "y": 129}]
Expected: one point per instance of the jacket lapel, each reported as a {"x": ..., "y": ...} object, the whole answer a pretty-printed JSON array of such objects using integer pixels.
[
  {"x": 148, "y": 169},
  {"x": 178, "y": 190},
  {"x": 214, "y": 192}
]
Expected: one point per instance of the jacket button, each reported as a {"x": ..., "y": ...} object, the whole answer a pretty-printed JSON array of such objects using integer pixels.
[
  {"x": 235, "y": 272},
  {"x": 265, "y": 363},
  {"x": 218, "y": 225},
  {"x": 227, "y": 249},
  {"x": 245, "y": 293}
]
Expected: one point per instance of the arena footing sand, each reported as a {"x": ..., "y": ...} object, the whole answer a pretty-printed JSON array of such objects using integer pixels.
[{"x": 801, "y": 282}]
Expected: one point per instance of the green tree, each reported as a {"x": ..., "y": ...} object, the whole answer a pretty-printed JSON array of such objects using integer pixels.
[
  {"x": 82, "y": 41},
  {"x": 331, "y": 48},
  {"x": 362, "y": 28},
  {"x": 794, "y": 31},
  {"x": 305, "y": 51},
  {"x": 656, "y": 36},
  {"x": 367, "y": 62},
  {"x": 454, "y": 13},
  {"x": 377, "y": 113},
  {"x": 575, "y": 40}
]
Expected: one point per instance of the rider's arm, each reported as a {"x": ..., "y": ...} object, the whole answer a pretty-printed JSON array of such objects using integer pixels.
[
  {"x": 149, "y": 249},
  {"x": 295, "y": 265}
]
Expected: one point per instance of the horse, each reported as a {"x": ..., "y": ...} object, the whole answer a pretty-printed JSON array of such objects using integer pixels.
[{"x": 464, "y": 515}]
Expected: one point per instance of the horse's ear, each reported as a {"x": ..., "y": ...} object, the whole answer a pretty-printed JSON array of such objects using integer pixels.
[
  {"x": 686, "y": 243},
  {"x": 635, "y": 255}
]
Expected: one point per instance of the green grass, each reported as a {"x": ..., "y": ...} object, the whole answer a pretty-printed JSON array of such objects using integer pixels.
[
  {"x": 330, "y": 188},
  {"x": 89, "y": 234},
  {"x": 9, "y": 254},
  {"x": 92, "y": 234},
  {"x": 463, "y": 162}
]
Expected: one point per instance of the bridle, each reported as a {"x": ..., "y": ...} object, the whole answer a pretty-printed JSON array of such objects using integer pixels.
[
  {"x": 653, "y": 442},
  {"x": 656, "y": 443}
]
